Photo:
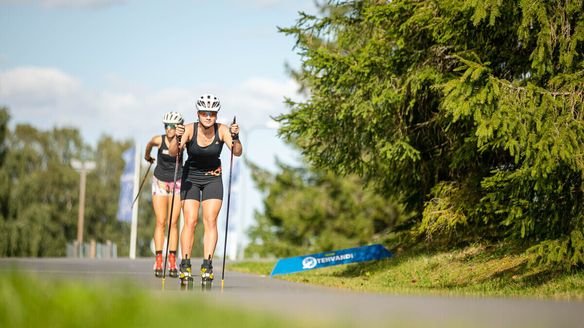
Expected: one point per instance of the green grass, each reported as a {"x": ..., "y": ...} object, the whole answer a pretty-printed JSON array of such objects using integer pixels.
[
  {"x": 26, "y": 301},
  {"x": 261, "y": 268},
  {"x": 474, "y": 271}
]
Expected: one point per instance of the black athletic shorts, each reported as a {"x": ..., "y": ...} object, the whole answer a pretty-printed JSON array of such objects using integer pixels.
[{"x": 201, "y": 187}]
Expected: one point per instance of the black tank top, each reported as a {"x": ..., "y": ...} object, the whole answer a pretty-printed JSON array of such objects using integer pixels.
[
  {"x": 165, "y": 164},
  {"x": 204, "y": 159}
]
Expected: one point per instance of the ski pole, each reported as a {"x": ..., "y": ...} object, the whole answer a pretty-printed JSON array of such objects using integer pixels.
[
  {"x": 227, "y": 215},
  {"x": 171, "y": 208},
  {"x": 141, "y": 185}
]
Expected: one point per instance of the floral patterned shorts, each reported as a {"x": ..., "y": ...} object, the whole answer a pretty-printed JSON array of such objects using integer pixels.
[{"x": 163, "y": 188}]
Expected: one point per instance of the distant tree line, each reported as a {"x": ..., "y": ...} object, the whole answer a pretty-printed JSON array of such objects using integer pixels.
[
  {"x": 469, "y": 113},
  {"x": 39, "y": 192},
  {"x": 307, "y": 210}
]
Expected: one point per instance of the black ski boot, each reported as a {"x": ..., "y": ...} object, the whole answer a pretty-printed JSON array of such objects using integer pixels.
[
  {"x": 185, "y": 277},
  {"x": 207, "y": 273}
]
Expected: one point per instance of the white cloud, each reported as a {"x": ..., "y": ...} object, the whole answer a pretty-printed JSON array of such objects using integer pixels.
[
  {"x": 48, "y": 97},
  {"x": 44, "y": 94},
  {"x": 108, "y": 3},
  {"x": 296, "y": 5},
  {"x": 49, "y": 82},
  {"x": 265, "y": 3},
  {"x": 81, "y": 3},
  {"x": 256, "y": 99},
  {"x": 71, "y": 3}
]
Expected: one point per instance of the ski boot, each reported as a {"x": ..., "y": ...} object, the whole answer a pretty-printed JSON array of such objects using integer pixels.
[
  {"x": 185, "y": 277},
  {"x": 172, "y": 271},
  {"x": 158, "y": 266},
  {"x": 207, "y": 274}
]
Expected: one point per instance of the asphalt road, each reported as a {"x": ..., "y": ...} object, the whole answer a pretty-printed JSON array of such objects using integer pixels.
[{"x": 321, "y": 304}]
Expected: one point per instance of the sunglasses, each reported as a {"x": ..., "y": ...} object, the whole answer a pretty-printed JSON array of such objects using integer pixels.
[
  {"x": 208, "y": 113},
  {"x": 170, "y": 126}
]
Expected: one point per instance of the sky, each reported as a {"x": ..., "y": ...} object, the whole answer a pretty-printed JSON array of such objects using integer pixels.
[{"x": 114, "y": 67}]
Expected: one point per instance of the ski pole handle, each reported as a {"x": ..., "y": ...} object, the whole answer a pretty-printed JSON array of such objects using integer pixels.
[{"x": 234, "y": 136}]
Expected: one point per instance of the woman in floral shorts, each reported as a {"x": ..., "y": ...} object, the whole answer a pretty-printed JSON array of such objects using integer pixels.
[{"x": 162, "y": 190}]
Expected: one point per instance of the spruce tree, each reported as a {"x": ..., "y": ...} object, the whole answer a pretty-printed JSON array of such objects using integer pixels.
[{"x": 470, "y": 111}]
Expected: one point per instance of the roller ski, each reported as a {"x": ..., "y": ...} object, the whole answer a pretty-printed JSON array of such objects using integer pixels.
[
  {"x": 185, "y": 277},
  {"x": 207, "y": 273},
  {"x": 158, "y": 266}
]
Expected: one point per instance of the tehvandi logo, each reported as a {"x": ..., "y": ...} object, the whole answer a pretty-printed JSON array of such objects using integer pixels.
[{"x": 309, "y": 263}]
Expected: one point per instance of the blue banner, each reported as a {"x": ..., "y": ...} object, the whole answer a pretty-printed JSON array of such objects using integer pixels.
[
  {"x": 321, "y": 260},
  {"x": 127, "y": 186}
]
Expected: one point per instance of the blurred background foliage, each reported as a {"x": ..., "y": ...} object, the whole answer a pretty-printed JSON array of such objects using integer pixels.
[{"x": 39, "y": 192}]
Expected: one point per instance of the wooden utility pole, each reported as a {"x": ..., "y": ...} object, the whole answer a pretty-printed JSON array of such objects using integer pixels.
[{"x": 82, "y": 168}]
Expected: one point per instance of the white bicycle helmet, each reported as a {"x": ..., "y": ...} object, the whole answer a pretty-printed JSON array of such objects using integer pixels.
[
  {"x": 172, "y": 118},
  {"x": 208, "y": 102}
]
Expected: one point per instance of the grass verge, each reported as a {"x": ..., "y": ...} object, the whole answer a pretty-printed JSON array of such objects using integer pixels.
[
  {"x": 27, "y": 301},
  {"x": 473, "y": 271}
]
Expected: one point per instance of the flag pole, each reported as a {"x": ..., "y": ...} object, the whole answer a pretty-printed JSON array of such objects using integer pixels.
[{"x": 134, "y": 227}]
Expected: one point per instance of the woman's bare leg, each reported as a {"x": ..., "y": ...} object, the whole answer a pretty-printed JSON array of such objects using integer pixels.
[
  {"x": 187, "y": 237},
  {"x": 211, "y": 208}
]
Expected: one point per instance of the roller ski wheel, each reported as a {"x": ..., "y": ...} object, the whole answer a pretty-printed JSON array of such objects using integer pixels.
[
  {"x": 206, "y": 285},
  {"x": 158, "y": 266},
  {"x": 207, "y": 279},
  {"x": 172, "y": 271},
  {"x": 186, "y": 283}
]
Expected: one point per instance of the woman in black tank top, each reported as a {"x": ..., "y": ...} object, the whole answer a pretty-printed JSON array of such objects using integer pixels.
[
  {"x": 162, "y": 189},
  {"x": 202, "y": 183}
]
